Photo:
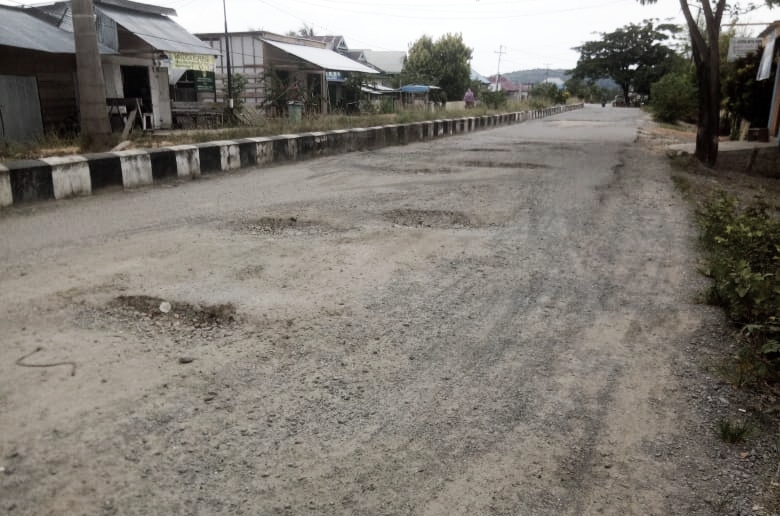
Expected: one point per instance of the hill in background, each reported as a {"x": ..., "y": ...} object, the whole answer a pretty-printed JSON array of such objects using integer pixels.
[{"x": 538, "y": 75}]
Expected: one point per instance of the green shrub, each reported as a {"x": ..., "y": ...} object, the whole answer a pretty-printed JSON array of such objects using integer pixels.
[
  {"x": 493, "y": 99},
  {"x": 674, "y": 98},
  {"x": 548, "y": 93},
  {"x": 743, "y": 261}
]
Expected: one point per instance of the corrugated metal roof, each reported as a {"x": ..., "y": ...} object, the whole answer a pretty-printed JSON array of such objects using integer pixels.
[
  {"x": 21, "y": 28},
  {"x": 137, "y": 6},
  {"x": 322, "y": 58},
  {"x": 159, "y": 31},
  {"x": 388, "y": 61}
]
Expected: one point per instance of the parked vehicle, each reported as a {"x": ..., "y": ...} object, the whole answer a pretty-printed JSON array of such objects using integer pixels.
[{"x": 620, "y": 101}]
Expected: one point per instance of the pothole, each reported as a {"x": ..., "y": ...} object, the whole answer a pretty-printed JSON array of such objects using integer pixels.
[
  {"x": 162, "y": 325},
  {"x": 158, "y": 308},
  {"x": 428, "y": 218},
  {"x": 250, "y": 271},
  {"x": 499, "y": 164},
  {"x": 282, "y": 225},
  {"x": 428, "y": 170}
]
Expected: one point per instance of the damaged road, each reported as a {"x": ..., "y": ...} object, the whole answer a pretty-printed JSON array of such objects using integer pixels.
[{"x": 496, "y": 323}]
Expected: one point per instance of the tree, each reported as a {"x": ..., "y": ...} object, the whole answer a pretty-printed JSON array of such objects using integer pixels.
[
  {"x": 588, "y": 89},
  {"x": 633, "y": 56},
  {"x": 706, "y": 57},
  {"x": 443, "y": 63},
  {"x": 674, "y": 97},
  {"x": 306, "y": 31}
]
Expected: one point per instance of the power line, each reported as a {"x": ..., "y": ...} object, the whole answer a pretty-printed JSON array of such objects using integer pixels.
[{"x": 438, "y": 16}]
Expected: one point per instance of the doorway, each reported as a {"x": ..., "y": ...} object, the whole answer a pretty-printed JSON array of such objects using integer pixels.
[{"x": 135, "y": 84}]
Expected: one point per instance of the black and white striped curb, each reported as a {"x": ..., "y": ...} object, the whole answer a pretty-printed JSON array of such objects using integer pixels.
[{"x": 69, "y": 176}]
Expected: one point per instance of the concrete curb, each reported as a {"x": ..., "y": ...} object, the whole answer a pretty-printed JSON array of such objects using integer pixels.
[{"x": 69, "y": 176}]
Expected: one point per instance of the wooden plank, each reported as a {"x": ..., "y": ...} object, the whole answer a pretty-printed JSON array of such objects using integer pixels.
[{"x": 129, "y": 123}]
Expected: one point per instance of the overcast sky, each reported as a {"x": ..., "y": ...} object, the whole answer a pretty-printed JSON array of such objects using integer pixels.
[{"x": 531, "y": 33}]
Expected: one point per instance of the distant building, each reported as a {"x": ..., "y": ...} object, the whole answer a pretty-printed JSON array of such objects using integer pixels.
[
  {"x": 389, "y": 64},
  {"x": 510, "y": 89},
  {"x": 476, "y": 77},
  {"x": 281, "y": 68}
]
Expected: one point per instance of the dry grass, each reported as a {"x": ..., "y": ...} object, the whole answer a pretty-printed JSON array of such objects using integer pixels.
[{"x": 59, "y": 146}]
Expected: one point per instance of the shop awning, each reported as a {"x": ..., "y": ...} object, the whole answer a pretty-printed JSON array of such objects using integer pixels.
[
  {"x": 322, "y": 58},
  {"x": 378, "y": 89}
]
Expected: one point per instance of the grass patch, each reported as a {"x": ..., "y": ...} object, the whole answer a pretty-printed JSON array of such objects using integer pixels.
[{"x": 733, "y": 432}]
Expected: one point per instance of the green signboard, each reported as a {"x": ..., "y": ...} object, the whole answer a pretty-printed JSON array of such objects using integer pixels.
[{"x": 204, "y": 82}]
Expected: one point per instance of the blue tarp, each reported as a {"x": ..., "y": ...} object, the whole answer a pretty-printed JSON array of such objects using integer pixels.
[{"x": 418, "y": 88}]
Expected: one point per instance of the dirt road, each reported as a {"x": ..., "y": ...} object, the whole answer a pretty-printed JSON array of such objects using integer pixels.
[{"x": 492, "y": 324}]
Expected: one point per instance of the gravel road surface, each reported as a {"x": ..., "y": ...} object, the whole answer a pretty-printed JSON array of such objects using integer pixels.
[{"x": 499, "y": 323}]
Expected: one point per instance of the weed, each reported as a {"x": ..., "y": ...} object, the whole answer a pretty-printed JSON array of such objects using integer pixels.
[
  {"x": 682, "y": 184},
  {"x": 721, "y": 504},
  {"x": 734, "y": 432}
]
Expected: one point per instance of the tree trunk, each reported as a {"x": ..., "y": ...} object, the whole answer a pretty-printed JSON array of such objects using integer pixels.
[
  {"x": 709, "y": 114},
  {"x": 706, "y": 56}
]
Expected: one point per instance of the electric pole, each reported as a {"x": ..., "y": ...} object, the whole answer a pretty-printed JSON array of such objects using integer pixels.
[
  {"x": 89, "y": 74},
  {"x": 227, "y": 62},
  {"x": 498, "y": 72}
]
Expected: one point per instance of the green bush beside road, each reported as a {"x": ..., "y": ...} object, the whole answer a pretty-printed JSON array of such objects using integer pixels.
[{"x": 743, "y": 248}]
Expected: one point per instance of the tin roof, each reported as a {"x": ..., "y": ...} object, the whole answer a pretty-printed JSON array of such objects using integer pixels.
[
  {"x": 157, "y": 30},
  {"x": 387, "y": 61},
  {"x": 322, "y": 57},
  {"x": 137, "y": 6},
  {"x": 28, "y": 28}
]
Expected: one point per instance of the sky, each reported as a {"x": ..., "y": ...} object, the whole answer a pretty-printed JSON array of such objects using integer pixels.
[{"x": 523, "y": 34}]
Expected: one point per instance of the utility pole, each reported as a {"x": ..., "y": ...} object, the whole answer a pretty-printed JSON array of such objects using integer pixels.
[
  {"x": 498, "y": 72},
  {"x": 227, "y": 61},
  {"x": 89, "y": 73}
]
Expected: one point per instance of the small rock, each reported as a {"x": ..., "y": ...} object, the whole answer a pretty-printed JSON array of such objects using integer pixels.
[
  {"x": 185, "y": 360},
  {"x": 165, "y": 307}
]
